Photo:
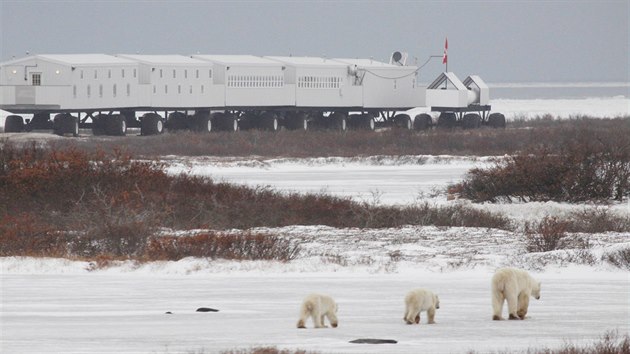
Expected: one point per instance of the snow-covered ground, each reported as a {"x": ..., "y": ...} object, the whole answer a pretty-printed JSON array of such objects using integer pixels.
[{"x": 391, "y": 180}]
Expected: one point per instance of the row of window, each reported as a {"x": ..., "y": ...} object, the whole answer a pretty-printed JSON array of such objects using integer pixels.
[
  {"x": 109, "y": 73},
  {"x": 100, "y": 90},
  {"x": 255, "y": 81},
  {"x": 319, "y": 82},
  {"x": 197, "y": 73},
  {"x": 179, "y": 89}
]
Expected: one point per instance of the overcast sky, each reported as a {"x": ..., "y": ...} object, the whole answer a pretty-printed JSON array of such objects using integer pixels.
[{"x": 502, "y": 41}]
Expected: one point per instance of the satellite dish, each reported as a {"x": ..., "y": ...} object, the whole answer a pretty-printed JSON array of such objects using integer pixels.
[{"x": 398, "y": 58}]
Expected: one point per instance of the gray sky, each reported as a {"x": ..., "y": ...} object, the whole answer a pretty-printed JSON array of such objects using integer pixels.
[{"x": 502, "y": 41}]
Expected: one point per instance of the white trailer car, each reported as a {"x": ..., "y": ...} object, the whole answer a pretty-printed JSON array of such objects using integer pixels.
[{"x": 109, "y": 93}]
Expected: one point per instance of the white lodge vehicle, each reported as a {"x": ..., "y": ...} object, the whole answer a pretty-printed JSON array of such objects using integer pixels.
[{"x": 107, "y": 93}]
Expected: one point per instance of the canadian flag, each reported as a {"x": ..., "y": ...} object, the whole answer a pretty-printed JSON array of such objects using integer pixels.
[{"x": 445, "y": 56}]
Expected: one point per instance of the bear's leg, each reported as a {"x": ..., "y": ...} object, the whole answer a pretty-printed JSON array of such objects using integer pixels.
[
  {"x": 317, "y": 320},
  {"x": 512, "y": 301},
  {"x": 497, "y": 305},
  {"x": 321, "y": 320},
  {"x": 332, "y": 318},
  {"x": 417, "y": 319},
  {"x": 411, "y": 314},
  {"x": 431, "y": 315},
  {"x": 523, "y": 304}
]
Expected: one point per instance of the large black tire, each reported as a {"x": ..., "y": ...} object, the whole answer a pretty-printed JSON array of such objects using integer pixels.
[
  {"x": 116, "y": 125},
  {"x": 14, "y": 124},
  {"x": 338, "y": 122},
  {"x": 177, "y": 121},
  {"x": 447, "y": 120},
  {"x": 98, "y": 124},
  {"x": 269, "y": 122},
  {"x": 65, "y": 123},
  {"x": 151, "y": 124},
  {"x": 422, "y": 121},
  {"x": 297, "y": 121},
  {"x": 225, "y": 122},
  {"x": 201, "y": 122},
  {"x": 403, "y": 121},
  {"x": 367, "y": 122},
  {"x": 496, "y": 120},
  {"x": 471, "y": 121}
]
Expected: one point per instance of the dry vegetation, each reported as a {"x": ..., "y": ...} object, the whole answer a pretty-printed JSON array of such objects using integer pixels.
[
  {"x": 590, "y": 163},
  {"x": 70, "y": 203}
]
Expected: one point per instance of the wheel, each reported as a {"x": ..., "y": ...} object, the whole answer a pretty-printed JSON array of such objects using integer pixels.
[
  {"x": 98, "y": 124},
  {"x": 177, "y": 121},
  {"x": 298, "y": 121},
  {"x": 338, "y": 121},
  {"x": 496, "y": 120},
  {"x": 422, "y": 121},
  {"x": 367, "y": 122},
  {"x": 65, "y": 123},
  {"x": 403, "y": 121},
  {"x": 151, "y": 124},
  {"x": 226, "y": 122},
  {"x": 14, "y": 124},
  {"x": 116, "y": 125},
  {"x": 471, "y": 121},
  {"x": 201, "y": 122},
  {"x": 269, "y": 122},
  {"x": 447, "y": 120}
]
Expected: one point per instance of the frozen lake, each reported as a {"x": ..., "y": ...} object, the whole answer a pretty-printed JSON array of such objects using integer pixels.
[{"x": 117, "y": 312}]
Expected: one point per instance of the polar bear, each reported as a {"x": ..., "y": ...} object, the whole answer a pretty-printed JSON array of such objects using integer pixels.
[
  {"x": 318, "y": 306},
  {"x": 419, "y": 300},
  {"x": 515, "y": 286}
]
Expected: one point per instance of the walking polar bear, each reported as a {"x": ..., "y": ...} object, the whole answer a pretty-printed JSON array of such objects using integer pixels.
[
  {"x": 318, "y": 306},
  {"x": 515, "y": 286},
  {"x": 419, "y": 300}
]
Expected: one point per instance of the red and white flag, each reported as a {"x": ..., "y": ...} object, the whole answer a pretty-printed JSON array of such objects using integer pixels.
[{"x": 445, "y": 56}]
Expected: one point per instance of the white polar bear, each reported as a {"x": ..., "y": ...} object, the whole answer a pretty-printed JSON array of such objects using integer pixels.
[
  {"x": 419, "y": 300},
  {"x": 515, "y": 286},
  {"x": 318, "y": 306}
]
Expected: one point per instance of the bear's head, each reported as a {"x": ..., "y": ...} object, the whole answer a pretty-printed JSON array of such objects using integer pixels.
[
  {"x": 536, "y": 291},
  {"x": 436, "y": 301}
]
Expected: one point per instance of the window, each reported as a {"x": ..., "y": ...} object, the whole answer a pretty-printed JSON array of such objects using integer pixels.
[
  {"x": 37, "y": 79},
  {"x": 197, "y": 74},
  {"x": 179, "y": 89},
  {"x": 174, "y": 73},
  {"x": 210, "y": 74},
  {"x": 109, "y": 73},
  {"x": 185, "y": 74},
  {"x": 82, "y": 74},
  {"x": 201, "y": 88},
  {"x": 128, "y": 90},
  {"x": 154, "y": 89},
  {"x": 135, "y": 73},
  {"x": 161, "y": 73},
  {"x": 190, "y": 89},
  {"x": 166, "y": 89},
  {"x": 122, "y": 73},
  {"x": 89, "y": 91},
  {"x": 74, "y": 91},
  {"x": 114, "y": 90},
  {"x": 100, "y": 90},
  {"x": 96, "y": 74}
]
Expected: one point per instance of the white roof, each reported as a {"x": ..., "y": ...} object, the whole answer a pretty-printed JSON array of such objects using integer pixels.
[
  {"x": 76, "y": 59},
  {"x": 173, "y": 59},
  {"x": 237, "y": 59},
  {"x": 308, "y": 61}
]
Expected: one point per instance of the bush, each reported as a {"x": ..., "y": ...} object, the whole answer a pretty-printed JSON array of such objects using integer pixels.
[
  {"x": 591, "y": 165},
  {"x": 619, "y": 258},
  {"x": 548, "y": 235},
  {"x": 241, "y": 246}
]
